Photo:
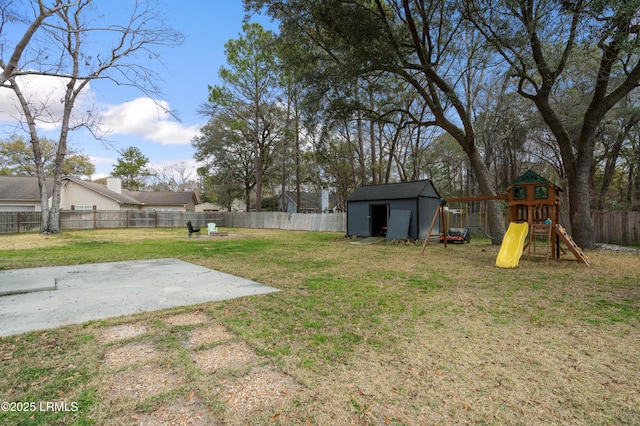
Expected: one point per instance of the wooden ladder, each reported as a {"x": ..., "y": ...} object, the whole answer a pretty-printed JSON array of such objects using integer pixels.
[
  {"x": 540, "y": 230},
  {"x": 566, "y": 238}
]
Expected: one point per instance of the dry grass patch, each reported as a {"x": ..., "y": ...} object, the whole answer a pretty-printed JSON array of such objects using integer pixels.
[
  {"x": 142, "y": 383},
  {"x": 129, "y": 354},
  {"x": 262, "y": 389},
  {"x": 121, "y": 332},
  {"x": 206, "y": 335},
  {"x": 36, "y": 240},
  {"x": 189, "y": 318},
  {"x": 230, "y": 355}
]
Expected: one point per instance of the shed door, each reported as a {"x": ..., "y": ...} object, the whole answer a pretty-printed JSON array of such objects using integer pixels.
[{"x": 378, "y": 219}]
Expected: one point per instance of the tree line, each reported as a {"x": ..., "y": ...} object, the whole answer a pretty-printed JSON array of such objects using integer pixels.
[{"x": 468, "y": 93}]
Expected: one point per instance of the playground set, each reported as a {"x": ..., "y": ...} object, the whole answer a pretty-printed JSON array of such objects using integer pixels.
[{"x": 533, "y": 215}]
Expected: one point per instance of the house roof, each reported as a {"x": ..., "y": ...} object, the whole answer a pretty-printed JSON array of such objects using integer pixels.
[
  {"x": 395, "y": 191},
  {"x": 104, "y": 191},
  {"x": 22, "y": 188},
  {"x": 308, "y": 200},
  {"x": 25, "y": 188},
  {"x": 163, "y": 198}
]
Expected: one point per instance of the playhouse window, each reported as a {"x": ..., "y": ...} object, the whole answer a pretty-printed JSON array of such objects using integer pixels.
[
  {"x": 540, "y": 192},
  {"x": 520, "y": 193}
]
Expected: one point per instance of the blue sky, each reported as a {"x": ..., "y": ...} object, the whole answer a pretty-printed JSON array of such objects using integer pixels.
[{"x": 135, "y": 119}]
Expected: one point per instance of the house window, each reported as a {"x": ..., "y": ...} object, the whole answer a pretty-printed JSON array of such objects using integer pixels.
[
  {"x": 80, "y": 207},
  {"x": 520, "y": 193}
]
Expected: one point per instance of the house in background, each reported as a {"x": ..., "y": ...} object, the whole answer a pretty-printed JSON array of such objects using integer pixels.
[
  {"x": 78, "y": 194},
  {"x": 396, "y": 210},
  {"x": 16, "y": 194},
  {"x": 21, "y": 193},
  {"x": 309, "y": 202},
  {"x": 208, "y": 207}
]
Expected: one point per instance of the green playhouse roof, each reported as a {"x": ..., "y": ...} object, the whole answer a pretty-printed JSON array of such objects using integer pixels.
[{"x": 530, "y": 177}]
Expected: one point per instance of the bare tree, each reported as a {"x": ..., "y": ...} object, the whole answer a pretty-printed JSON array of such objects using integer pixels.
[
  {"x": 173, "y": 177},
  {"x": 59, "y": 43}
]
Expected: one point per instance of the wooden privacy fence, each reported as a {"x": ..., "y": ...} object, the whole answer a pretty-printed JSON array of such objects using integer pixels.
[
  {"x": 609, "y": 227},
  {"x": 12, "y": 222},
  {"x": 324, "y": 222},
  {"x": 617, "y": 227}
]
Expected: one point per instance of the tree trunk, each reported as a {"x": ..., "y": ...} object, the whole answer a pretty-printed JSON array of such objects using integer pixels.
[
  {"x": 494, "y": 211},
  {"x": 361, "y": 160},
  {"x": 296, "y": 117},
  {"x": 372, "y": 138},
  {"x": 580, "y": 211}
]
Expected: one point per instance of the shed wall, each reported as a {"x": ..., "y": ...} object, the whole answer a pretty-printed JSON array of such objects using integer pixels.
[
  {"x": 428, "y": 208},
  {"x": 422, "y": 211}
]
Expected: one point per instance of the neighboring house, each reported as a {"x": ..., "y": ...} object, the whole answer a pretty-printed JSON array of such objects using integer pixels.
[
  {"x": 17, "y": 193},
  {"x": 309, "y": 202},
  {"x": 208, "y": 207},
  {"x": 77, "y": 194},
  {"x": 166, "y": 201},
  {"x": 402, "y": 210},
  {"x": 21, "y": 193}
]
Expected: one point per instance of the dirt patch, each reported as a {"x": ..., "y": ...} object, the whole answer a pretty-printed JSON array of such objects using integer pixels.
[
  {"x": 206, "y": 335},
  {"x": 129, "y": 354},
  {"x": 188, "y": 411},
  {"x": 120, "y": 332},
  {"x": 262, "y": 388},
  {"x": 142, "y": 383},
  {"x": 189, "y": 318},
  {"x": 230, "y": 355}
]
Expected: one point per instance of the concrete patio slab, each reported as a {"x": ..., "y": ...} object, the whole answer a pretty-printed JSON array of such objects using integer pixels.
[
  {"x": 81, "y": 293},
  {"x": 24, "y": 281}
]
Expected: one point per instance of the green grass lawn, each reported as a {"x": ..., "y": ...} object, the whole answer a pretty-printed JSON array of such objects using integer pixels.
[{"x": 375, "y": 334}]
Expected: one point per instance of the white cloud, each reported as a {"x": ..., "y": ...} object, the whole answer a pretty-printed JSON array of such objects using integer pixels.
[
  {"x": 141, "y": 117},
  {"x": 102, "y": 160},
  {"x": 45, "y": 96},
  {"x": 149, "y": 119}
]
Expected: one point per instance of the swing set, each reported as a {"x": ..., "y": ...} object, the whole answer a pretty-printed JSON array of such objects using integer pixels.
[
  {"x": 462, "y": 217},
  {"x": 532, "y": 201}
]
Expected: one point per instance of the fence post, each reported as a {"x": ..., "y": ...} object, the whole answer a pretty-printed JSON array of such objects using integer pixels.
[
  {"x": 155, "y": 215},
  {"x": 126, "y": 225},
  {"x": 19, "y": 222}
]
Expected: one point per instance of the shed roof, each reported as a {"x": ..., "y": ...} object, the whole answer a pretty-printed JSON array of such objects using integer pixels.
[{"x": 395, "y": 191}]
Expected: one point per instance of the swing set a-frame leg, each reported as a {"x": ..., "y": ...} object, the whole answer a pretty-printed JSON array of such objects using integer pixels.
[{"x": 439, "y": 211}]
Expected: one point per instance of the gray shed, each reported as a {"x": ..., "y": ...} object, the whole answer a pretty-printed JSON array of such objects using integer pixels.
[{"x": 395, "y": 210}]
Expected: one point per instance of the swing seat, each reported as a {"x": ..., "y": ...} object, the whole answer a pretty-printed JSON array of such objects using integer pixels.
[{"x": 457, "y": 235}]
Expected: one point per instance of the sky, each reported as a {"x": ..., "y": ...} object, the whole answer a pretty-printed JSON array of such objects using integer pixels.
[{"x": 135, "y": 119}]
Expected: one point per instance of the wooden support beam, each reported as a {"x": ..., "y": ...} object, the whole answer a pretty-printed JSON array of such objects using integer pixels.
[{"x": 478, "y": 198}]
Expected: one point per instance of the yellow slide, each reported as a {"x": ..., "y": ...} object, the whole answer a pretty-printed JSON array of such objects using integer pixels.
[{"x": 512, "y": 245}]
